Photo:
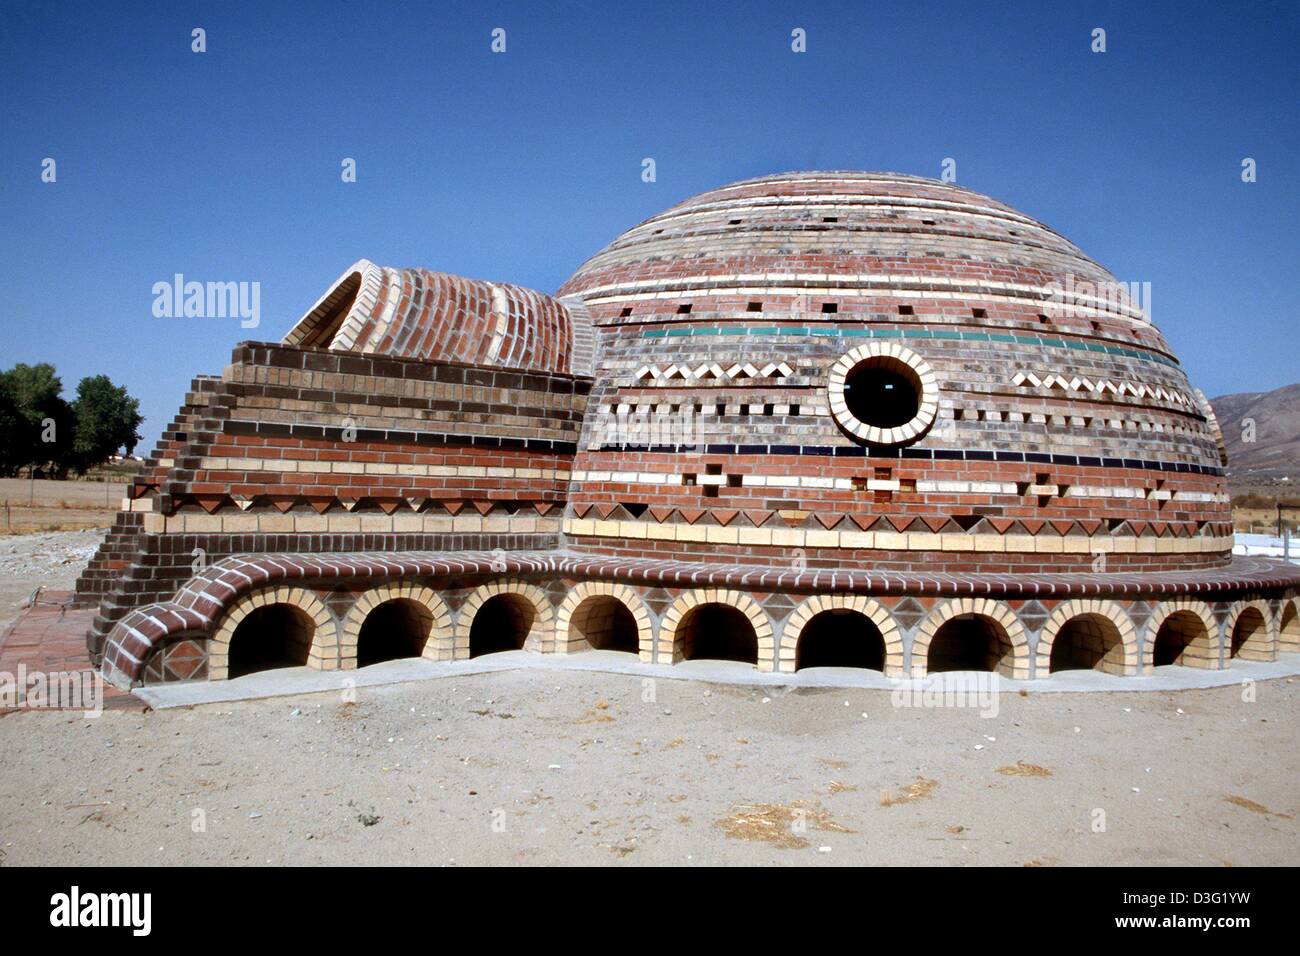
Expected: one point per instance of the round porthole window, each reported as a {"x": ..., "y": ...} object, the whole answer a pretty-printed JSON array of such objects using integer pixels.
[{"x": 883, "y": 394}]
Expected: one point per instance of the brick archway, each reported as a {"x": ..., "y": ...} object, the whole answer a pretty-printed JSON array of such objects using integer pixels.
[
  {"x": 323, "y": 654},
  {"x": 872, "y": 610},
  {"x": 667, "y": 649},
  {"x": 1065, "y": 613},
  {"x": 541, "y": 632},
  {"x": 996, "y": 613},
  {"x": 1287, "y": 626},
  {"x": 440, "y": 645},
  {"x": 567, "y": 621},
  {"x": 1258, "y": 642},
  {"x": 1203, "y": 649}
]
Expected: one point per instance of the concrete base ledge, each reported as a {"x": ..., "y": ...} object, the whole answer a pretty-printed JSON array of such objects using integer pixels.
[{"x": 289, "y": 681}]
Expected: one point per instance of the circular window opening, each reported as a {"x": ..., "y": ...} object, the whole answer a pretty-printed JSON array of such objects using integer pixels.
[{"x": 881, "y": 393}]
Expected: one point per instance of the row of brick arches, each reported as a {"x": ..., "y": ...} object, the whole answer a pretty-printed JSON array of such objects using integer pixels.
[{"x": 287, "y": 627}]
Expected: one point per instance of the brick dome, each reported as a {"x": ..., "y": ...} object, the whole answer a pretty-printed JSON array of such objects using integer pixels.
[{"x": 878, "y": 370}]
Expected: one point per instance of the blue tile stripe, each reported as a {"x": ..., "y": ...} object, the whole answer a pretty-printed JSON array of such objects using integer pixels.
[{"x": 942, "y": 334}]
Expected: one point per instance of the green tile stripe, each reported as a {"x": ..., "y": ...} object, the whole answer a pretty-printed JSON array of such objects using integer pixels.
[{"x": 953, "y": 335}]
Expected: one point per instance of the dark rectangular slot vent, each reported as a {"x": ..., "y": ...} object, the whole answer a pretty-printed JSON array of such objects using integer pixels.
[
  {"x": 830, "y": 308},
  {"x": 627, "y": 310},
  {"x": 830, "y": 218},
  {"x": 1044, "y": 319},
  {"x": 754, "y": 307},
  {"x": 979, "y": 313},
  {"x": 927, "y": 222},
  {"x": 684, "y": 309},
  {"x": 906, "y": 310},
  {"x": 734, "y": 222}
]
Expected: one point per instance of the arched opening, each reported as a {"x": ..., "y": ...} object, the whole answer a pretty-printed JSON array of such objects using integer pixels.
[
  {"x": 327, "y": 318},
  {"x": 1250, "y": 635},
  {"x": 1288, "y": 634},
  {"x": 396, "y": 628},
  {"x": 971, "y": 642},
  {"x": 840, "y": 637},
  {"x": 883, "y": 392},
  {"x": 1176, "y": 635},
  {"x": 1088, "y": 642},
  {"x": 271, "y": 636},
  {"x": 502, "y": 623},
  {"x": 717, "y": 632},
  {"x": 605, "y": 624}
]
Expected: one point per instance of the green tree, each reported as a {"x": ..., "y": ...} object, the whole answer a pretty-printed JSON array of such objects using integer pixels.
[
  {"x": 107, "y": 418},
  {"x": 36, "y": 424}
]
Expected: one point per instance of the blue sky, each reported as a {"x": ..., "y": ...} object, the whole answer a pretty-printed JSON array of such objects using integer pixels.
[{"x": 225, "y": 165}]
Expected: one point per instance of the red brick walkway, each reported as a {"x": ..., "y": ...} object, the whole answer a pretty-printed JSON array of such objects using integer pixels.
[{"x": 48, "y": 638}]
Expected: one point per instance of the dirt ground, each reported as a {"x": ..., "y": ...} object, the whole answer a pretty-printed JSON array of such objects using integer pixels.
[
  {"x": 570, "y": 767},
  {"x": 46, "y": 505},
  {"x": 581, "y": 768},
  {"x": 53, "y": 561}
]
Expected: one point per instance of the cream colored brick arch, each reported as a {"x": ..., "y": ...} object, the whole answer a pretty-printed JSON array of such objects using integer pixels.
[
  {"x": 1287, "y": 626},
  {"x": 1258, "y": 643},
  {"x": 323, "y": 654},
  {"x": 872, "y": 610},
  {"x": 994, "y": 612},
  {"x": 441, "y": 638},
  {"x": 1203, "y": 650},
  {"x": 666, "y": 647},
  {"x": 541, "y": 634},
  {"x": 568, "y": 637},
  {"x": 1122, "y": 659}
]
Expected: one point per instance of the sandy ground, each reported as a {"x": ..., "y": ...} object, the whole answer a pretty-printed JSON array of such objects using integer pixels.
[
  {"x": 579, "y": 768},
  {"x": 52, "y": 561},
  {"x": 46, "y": 505}
]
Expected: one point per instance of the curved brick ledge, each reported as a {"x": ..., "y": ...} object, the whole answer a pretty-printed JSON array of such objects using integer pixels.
[{"x": 197, "y": 606}]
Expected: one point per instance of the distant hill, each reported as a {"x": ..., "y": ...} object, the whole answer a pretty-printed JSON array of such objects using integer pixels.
[{"x": 1275, "y": 452}]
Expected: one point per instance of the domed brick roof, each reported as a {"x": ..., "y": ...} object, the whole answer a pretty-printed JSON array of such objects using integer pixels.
[
  {"x": 415, "y": 313},
  {"x": 808, "y": 354}
]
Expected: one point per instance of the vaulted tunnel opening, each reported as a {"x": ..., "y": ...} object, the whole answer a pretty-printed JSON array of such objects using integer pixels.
[
  {"x": 270, "y": 637},
  {"x": 971, "y": 642},
  {"x": 1088, "y": 642},
  {"x": 502, "y": 623},
  {"x": 605, "y": 624},
  {"x": 395, "y": 629},
  {"x": 1176, "y": 637},
  {"x": 840, "y": 638},
  {"x": 717, "y": 632},
  {"x": 1250, "y": 636}
]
